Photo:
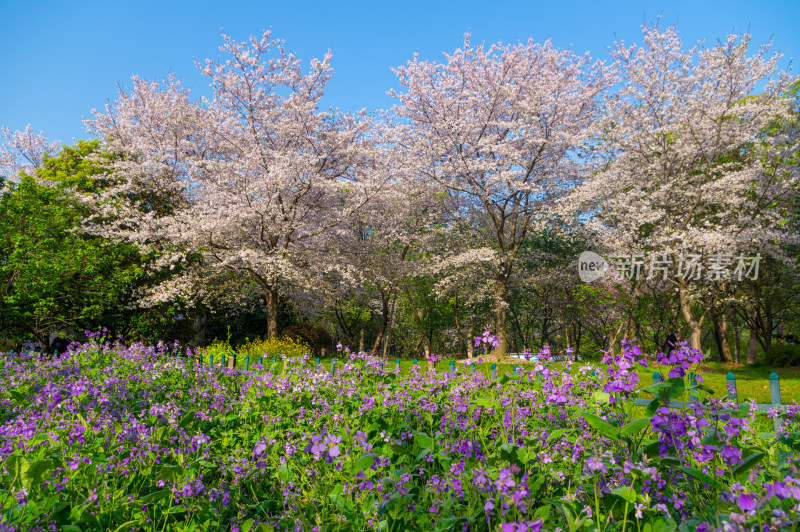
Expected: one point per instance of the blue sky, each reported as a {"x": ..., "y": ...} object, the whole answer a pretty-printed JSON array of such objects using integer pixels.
[{"x": 61, "y": 59}]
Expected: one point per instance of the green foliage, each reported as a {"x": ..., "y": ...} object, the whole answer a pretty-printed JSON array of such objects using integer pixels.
[
  {"x": 54, "y": 275},
  {"x": 589, "y": 351},
  {"x": 783, "y": 355},
  {"x": 308, "y": 333}
]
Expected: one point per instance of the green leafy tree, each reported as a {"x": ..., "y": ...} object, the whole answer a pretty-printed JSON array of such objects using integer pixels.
[{"x": 53, "y": 275}]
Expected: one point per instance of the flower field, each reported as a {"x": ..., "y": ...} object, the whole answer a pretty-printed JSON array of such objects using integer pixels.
[{"x": 112, "y": 437}]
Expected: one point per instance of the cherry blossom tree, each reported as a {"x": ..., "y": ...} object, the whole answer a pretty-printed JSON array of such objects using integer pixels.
[
  {"x": 23, "y": 151},
  {"x": 687, "y": 167},
  {"x": 258, "y": 177},
  {"x": 497, "y": 131}
]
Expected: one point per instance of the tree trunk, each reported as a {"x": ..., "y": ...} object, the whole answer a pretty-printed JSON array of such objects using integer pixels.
[
  {"x": 737, "y": 332},
  {"x": 723, "y": 331},
  {"x": 752, "y": 348},
  {"x": 612, "y": 342},
  {"x": 272, "y": 312},
  {"x": 720, "y": 323},
  {"x": 389, "y": 327},
  {"x": 426, "y": 345},
  {"x": 500, "y": 315},
  {"x": 384, "y": 320},
  {"x": 695, "y": 326}
]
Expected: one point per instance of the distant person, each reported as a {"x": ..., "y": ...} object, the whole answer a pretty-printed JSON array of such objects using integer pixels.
[{"x": 669, "y": 345}]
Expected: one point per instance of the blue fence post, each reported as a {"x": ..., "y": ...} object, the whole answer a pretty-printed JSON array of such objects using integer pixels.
[
  {"x": 223, "y": 360},
  {"x": 316, "y": 366},
  {"x": 514, "y": 370},
  {"x": 656, "y": 377},
  {"x": 733, "y": 393},
  {"x": 452, "y": 368},
  {"x": 494, "y": 371},
  {"x": 775, "y": 397},
  {"x": 211, "y": 360},
  {"x": 415, "y": 363},
  {"x": 333, "y": 367},
  {"x": 261, "y": 361},
  {"x": 472, "y": 369},
  {"x": 397, "y": 365},
  {"x": 247, "y": 362},
  {"x": 566, "y": 370}
]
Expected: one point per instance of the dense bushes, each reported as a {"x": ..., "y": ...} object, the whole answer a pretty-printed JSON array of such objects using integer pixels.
[{"x": 783, "y": 355}]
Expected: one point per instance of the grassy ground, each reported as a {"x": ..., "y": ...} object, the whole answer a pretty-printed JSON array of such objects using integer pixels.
[{"x": 751, "y": 382}]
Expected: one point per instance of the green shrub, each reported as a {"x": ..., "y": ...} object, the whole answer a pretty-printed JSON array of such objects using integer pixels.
[
  {"x": 589, "y": 351},
  {"x": 310, "y": 334},
  {"x": 783, "y": 355},
  {"x": 218, "y": 349}
]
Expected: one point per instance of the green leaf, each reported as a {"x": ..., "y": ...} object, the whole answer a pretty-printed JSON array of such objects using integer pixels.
[
  {"x": 689, "y": 525},
  {"x": 486, "y": 403},
  {"x": 124, "y": 526},
  {"x": 653, "y": 407},
  {"x": 660, "y": 524},
  {"x": 155, "y": 496},
  {"x": 558, "y": 434},
  {"x": 336, "y": 491},
  {"x": 17, "y": 466},
  {"x": 601, "y": 397},
  {"x": 634, "y": 427},
  {"x": 748, "y": 463},
  {"x": 399, "y": 449},
  {"x": 705, "y": 388},
  {"x": 601, "y": 425},
  {"x": 365, "y": 462},
  {"x": 171, "y": 473},
  {"x": 627, "y": 493},
  {"x": 671, "y": 460},
  {"x": 36, "y": 472},
  {"x": 423, "y": 440},
  {"x": 284, "y": 472},
  {"x": 697, "y": 475},
  {"x": 677, "y": 388},
  {"x": 656, "y": 388},
  {"x": 187, "y": 419}
]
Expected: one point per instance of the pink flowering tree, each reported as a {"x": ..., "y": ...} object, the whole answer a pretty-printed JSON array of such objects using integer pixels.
[
  {"x": 496, "y": 131},
  {"x": 686, "y": 167},
  {"x": 260, "y": 178},
  {"x": 23, "y": 151}
]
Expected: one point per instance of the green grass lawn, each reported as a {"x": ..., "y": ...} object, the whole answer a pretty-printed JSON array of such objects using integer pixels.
[{"x": 752, "y": 382}]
